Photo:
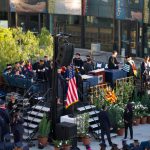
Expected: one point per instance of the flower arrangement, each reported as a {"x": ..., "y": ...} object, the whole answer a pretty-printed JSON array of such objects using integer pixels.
[
  {"x": 110, "y": 95},
  {"x": 140, "y": 110}
]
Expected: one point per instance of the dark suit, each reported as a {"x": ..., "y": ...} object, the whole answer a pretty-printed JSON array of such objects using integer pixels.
[
  {"x": 112, "y": 63},
  {"x": 18, "y": 129},
  {"x": 5, "y": 117},
  {"x": 145, "y": 145},
  {"x": 128, "y": 120},
  {"x": 78, "y": 62},
  {"x": 1, "y": 129},
  {"x": 105, "y": 126}
]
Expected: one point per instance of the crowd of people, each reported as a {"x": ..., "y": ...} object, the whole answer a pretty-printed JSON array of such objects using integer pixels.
[
  {"x": 11, "y": 121},
  {"x": 136, "y": 145},
  {"x": 130, "y": 67},
  {"x": 128, "y": 122},
  {"x": 40, "y": 70}
]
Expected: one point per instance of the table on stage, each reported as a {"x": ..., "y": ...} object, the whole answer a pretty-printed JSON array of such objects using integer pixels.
[{"x": 111, "y": 75}]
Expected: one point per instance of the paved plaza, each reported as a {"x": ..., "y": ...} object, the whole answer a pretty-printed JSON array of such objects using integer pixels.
[{"x": 141, "y": 132}]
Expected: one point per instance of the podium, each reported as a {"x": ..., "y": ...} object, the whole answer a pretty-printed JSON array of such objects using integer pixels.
[{"x": 100, "y": 74}]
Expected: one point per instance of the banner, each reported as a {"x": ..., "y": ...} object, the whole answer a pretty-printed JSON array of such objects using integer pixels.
[
  {"x": 146, "y": 11},
  {"x": 28, "y": 5},
  {"x": 100, "y": 8},
  {"x": 129, "y": 9},
  {"x": 3, "y": 5},
  {"x": 66, "y": 7}
]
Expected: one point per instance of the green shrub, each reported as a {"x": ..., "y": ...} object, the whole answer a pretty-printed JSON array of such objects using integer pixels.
[{"x": 44, "y": 127}]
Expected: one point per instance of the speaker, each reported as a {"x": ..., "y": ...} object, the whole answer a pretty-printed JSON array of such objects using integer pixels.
[
  {"x": 65, "y": 54},
  {"x": 66, "y": 130}
]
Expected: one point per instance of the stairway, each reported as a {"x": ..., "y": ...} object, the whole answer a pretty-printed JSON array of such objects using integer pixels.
[
  {"x": 32, "y": 120},
  {"x": 93, "y": 120}
]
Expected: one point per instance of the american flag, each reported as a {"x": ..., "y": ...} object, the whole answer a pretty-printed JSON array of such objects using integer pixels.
[{"x": 72, "y": 94}]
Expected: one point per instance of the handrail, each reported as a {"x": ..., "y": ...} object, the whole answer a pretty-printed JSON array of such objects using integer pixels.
[
  {"x": 19, "y": 102},
  {"x": 28, "y": 123}
]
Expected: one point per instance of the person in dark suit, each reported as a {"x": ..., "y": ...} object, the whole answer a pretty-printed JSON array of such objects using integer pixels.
[
  {"x": 128, "y": 120},
  {"x": 1, "y": 128},
  {"x": 7, "y": 142},
  {"x": 17, "y": 127},
  {"x": 77, "y": 61},
  {"x": 41, "y": 71},
  {"x": 5, "y": 118},
  {"x": 112, "y": 62},
  {"x": 105, "y": 124},
  {"x": 145, "y": 145},
  {"x": 88, "y": 66},
  {"x": 144, "y": 70}
]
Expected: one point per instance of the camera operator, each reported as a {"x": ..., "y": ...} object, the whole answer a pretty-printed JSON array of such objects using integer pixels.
[{"x": 17, "y": 127}]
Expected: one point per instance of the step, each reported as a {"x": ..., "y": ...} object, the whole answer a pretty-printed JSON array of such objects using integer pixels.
[
  {"x": 93, "y": 112},
  {"x": 35, "y": 113},
  {"x": 30, "y": 125},
  {"x": 97, "y": 131},
  {"x": 25, "y": 137},
  {"x": 32, "y": 119},
  {"x": 28, "y": 131},
  {"x": 93, "y": 119},
  {"x": 23, "y": 104},
  {"x": 46, "y": 109},
  {"x": 93, "y": 126},
  {"x": 39, "y": 98},
  {"x": 86, "y": 107}
]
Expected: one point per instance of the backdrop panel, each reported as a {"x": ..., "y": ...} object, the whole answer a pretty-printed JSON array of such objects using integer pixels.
[{"x": 28, "y": 5}]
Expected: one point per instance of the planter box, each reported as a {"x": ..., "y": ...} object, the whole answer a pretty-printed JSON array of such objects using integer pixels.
[
  {"x": 43, "y": 140},
  {"x": 86, "y": 140},
  {"x": 66, "y": 147},
  {"x": 137, "y": 121},
  {"x": 148, "y": 119},
  {"x": 56, "y": 148},
  {"x": 143, "y": 120},
  {"x": 120, "y": 132}
]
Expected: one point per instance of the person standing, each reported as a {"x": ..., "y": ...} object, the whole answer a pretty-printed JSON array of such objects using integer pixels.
[
  {"x": 4, "y": 119},
  {"x": 17, "y": 127},
  {"x": 145, "y": 70},
  {"x": 112, "y": 62},
  {"x": 128, "y": 67},
  {"x": 128, "y": 120},
  {"x": 105, "y": 124}
]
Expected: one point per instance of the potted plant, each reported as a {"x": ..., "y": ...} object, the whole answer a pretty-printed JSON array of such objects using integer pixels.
[
  {"x": 120, "y": 127},
  {"x": 137, "y": 113},
  {"x": 116, "y": 117},
  {"x": 57, "y": 144},
  {"x": 146, "y": 102},
  {"x": 144, "y": 113},
  {"x": 83, "y": 128},
  {"x": 66, "y": 145},
  {"x": 43, "y": 131}
]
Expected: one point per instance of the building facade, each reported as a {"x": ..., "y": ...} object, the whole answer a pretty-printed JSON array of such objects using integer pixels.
[{"x": 115, "y": 24}]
